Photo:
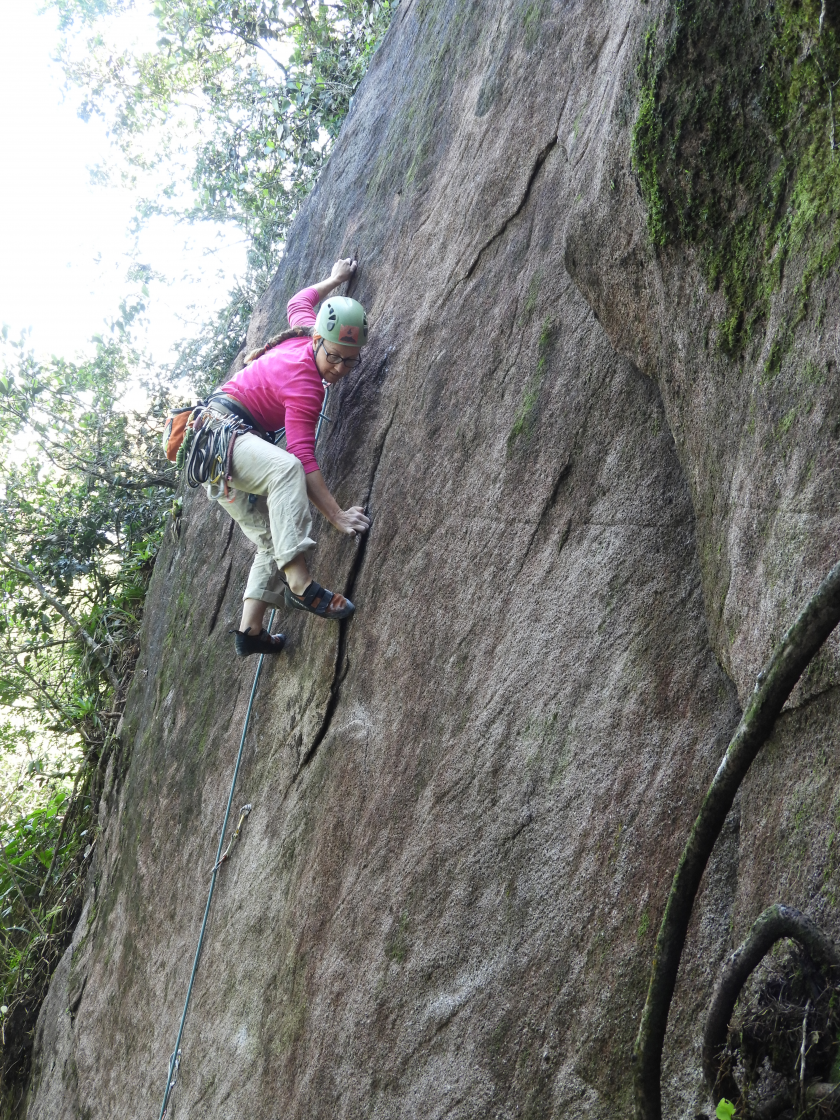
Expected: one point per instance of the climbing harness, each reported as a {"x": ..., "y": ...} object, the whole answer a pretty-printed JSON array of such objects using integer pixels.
[
  {"x": 214, "y": 433},
  {"x": 223, "y": 855},
  {"x": 211, "y": 437}
]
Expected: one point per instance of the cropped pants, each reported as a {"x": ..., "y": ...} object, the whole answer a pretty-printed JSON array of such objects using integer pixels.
[{"x": 278, "y": 521}]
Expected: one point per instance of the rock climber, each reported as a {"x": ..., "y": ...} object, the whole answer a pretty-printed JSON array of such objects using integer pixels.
[{"x": 268, "y": 490}]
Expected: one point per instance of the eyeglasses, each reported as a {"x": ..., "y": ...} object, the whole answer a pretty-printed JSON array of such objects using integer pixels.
[{"x": 337, "y": 359}]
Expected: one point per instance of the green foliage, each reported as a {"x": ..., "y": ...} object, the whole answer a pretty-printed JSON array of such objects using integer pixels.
[
  {"x": 82, "y": 502},
  {"x": 85, "y": 487},
  {"x": 531, "y": 299},
  {"x": 396, "y": 947},
  {"x": 644, "y": 925},
  {"x": 647, "y": 135},
  {"x": 533, "y": 13},
  {"x": 37, "y": 851},
  {"x": 254, "y": 90},
  {"x": 526, "y": 414},
  {"x": 736, "y": 152},
  {"x": 725, "y": 1110}
]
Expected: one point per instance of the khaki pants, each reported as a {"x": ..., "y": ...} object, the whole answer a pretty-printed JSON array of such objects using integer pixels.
[{"x": 278, "y": 522}]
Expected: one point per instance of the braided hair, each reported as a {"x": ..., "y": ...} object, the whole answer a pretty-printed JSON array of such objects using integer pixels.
[{"x": 283, "y": 336}]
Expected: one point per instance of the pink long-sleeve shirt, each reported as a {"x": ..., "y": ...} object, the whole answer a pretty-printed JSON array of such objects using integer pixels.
[{"x": 283, "y": 388}]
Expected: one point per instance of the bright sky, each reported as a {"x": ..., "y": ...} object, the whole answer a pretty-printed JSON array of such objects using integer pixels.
[{"x": 64, "y": 244}]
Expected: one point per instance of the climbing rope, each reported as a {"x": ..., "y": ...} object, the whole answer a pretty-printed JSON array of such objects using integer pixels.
[
  {"x": 210, "y": 452},
  {"x": 222, "y": 856},
  {"x": 175, "y": 1058}
]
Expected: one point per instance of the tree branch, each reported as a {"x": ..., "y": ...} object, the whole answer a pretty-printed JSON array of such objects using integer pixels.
[
  {"x": 41, "y": 687},
  {"x": 94, "y": 646},
  {"x": 775, "y": 683},
  {"x": 86, "y": 465},
  {"x": 39, "y": 648},
  {"x": 38, "y": 925}
]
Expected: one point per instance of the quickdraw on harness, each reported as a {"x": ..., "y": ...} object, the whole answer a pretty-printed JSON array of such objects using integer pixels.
[{"x": 208, "y": 446}]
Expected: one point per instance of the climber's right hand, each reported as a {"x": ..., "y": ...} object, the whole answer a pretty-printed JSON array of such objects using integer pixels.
[
  {"x": 353, "y": 522},
  {"x": 342, "y": 270}
]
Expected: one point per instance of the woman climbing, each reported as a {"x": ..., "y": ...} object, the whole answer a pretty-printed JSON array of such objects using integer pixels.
[{"x": 268, "y": 490}]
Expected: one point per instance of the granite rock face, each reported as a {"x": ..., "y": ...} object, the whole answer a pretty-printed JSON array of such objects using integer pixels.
[{"x": 468, "y": 802}]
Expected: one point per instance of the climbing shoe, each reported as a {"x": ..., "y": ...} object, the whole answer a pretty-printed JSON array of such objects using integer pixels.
[
  {"x": 248, "y": 643},
  {"x": 317, "y": 600}
]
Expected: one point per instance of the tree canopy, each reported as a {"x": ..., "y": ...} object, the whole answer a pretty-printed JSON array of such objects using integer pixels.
[{"x": 244, "y": 96}]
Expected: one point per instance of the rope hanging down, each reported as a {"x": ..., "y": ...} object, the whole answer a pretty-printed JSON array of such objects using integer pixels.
[
  {"x": 175, "y": 1058},
  {"x": 221, "y": 856}
]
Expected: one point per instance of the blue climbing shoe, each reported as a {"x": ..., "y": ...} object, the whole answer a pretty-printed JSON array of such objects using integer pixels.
[{"x": 317, "y": 600}]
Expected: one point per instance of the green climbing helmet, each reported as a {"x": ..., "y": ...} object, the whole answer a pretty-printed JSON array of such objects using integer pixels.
[{"x": 342, "y": 320}]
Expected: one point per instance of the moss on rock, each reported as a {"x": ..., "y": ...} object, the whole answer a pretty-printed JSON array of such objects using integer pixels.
[{"x": 735, "y": 147}]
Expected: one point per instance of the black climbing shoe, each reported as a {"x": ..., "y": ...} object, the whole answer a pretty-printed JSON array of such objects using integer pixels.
[
  {"x": 248, "y": 643},
  {"x": 317, "y": 600}
]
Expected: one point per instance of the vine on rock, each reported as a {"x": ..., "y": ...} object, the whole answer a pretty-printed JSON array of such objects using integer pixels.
[
  {"x": 774, "y": 685},
  {"x": 785, "y": 1055}
]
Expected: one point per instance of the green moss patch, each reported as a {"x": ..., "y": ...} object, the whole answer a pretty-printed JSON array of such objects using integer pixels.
[
  {"x": 737, "y": 151},
  {"x": 526, "y": 414}
]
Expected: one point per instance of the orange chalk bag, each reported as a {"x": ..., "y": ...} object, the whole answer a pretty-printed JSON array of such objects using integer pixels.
[{"x": 175, "y": 429}]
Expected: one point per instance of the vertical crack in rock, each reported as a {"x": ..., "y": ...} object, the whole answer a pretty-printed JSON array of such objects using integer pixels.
[
  {"x": 220, "y": 597},
  {"x": 229, "y": 537},
  {"x": 597, "y": 52},
  {"x": 532, "y": 178},
  {"x": 342, "y": 662}
]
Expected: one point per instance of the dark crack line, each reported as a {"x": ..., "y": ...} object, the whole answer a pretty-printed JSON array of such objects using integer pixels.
[
  {"x": 535, "y": 170},
  {"x": 547, "y": 506},
  {"x": 594, "y": 58},
  {"x": 623, "y": 37},
  {"x": 563, "y": 474},
  {"x": 214, "y": 617},
  {"x": 229, "y": 536},
  {"x": 371, "y": 375},
  {"x": 520, "y": 828},
  {"x": 342, "y": 661}
]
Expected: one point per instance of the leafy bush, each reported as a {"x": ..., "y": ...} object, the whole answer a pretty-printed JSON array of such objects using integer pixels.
[
  {"x": 82, "y": 505},
  {"x": 41, "y": 865}
]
